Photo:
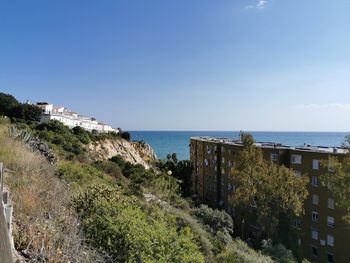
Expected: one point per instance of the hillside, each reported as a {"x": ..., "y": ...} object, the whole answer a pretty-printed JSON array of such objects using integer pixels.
[
  {"x": 93, "y": 197},
  {"x": 78, "y": 210}
]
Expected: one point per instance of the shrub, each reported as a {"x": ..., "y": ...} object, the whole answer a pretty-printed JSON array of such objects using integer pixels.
[
  {"x": 217, "y": 220},
  {"x": 82, "y": 135},
  {"x": 81, "y": 175},
  {"x": 109, "y": 167},
  {"x": 67, "y": 143},
  {"x": 125, "y": 135},
  {"x": 117, "y": 223},
  {"x": 239, "y": 252},
  {"x": 278, "y": 252}
]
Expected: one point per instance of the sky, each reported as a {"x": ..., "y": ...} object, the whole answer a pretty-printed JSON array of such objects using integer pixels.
[{"x": 254, "y": 65}]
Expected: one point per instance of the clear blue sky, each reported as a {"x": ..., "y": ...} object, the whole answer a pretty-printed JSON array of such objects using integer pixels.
[{"x": 183, "y": 65}]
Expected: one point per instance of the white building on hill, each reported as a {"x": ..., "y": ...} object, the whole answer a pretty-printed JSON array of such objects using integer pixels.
[{"x": 72, "y": 119}]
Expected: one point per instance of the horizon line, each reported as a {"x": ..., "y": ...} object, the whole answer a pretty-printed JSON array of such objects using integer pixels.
[{"x": 300, "y": 131}]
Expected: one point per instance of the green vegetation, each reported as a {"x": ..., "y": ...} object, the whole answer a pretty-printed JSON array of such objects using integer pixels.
[
  {"x": 181, "y": 170},
  {"x": 68, "y": 143},
  {"x": 268, "y": 190},
  {"x": 117, "y": 223},
  {"x": 278, "y": 252},
  {"x": 240, "y": 252},
  {"x": 11, "y": 108}
]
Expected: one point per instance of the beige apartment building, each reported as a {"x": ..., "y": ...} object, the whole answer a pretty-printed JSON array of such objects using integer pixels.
[{"x": 319, "y": 235}]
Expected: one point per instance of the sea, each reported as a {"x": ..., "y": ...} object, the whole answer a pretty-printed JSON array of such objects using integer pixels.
[{"x": 165, "y": 142}]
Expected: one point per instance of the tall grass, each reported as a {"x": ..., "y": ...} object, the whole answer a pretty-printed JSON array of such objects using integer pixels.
[{"x": 45, "y": 228}]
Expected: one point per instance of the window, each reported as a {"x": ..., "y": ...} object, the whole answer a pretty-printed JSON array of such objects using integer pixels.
[
  {"x": 315, "y": 199},
  {"x": 314, "y": 234},
  {"x": 315, "y": 164},
  {"x": 314, "y": 251},
  {"x": 223, "y": 160},
  {"x": 314, "y": 181},
  {"x": 222, "y": 171},
  {"x": 330, "y": 203},
  {"x": 273, "y": 156},
  {"x": 330, "y": 221},
  {"x": 330, "y": 240},
  {"x": 296, "y": 159},
  {"x": 330, "y": 258},
  {"x": 314, "y": 216}
]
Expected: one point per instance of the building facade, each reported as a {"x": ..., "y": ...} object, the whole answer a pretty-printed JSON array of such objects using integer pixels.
[
  {"x": 72, "y": 119},
  {"x": 319, "y": 234}
]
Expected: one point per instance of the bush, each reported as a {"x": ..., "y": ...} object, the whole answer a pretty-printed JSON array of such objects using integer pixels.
[
  {"x": 82, "y": 135},
  {"x": 109, "y": 167},
  {"x": 217, "y": 220},
  {"x": 277, "y": 252},
  {"x": 68, "y": 142},
  {"x": 117, "y": 223},
  {"x": 125, "y": 135},
  {"x": 239, "y": 252},
  {"x": 81, "y": 175}
]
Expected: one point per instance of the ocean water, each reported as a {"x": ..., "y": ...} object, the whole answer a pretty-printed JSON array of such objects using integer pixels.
[{"x": 164, "y": 142}]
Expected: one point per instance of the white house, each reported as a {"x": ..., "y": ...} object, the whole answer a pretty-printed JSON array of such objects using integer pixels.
[{"x": 72, "y": 119}]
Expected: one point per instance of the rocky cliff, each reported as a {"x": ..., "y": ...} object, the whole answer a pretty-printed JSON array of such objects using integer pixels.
[{"x": 134, "y": 152}]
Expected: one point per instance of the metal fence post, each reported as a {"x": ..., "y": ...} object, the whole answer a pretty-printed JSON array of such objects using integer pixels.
[{"x": 2, "y": 176}]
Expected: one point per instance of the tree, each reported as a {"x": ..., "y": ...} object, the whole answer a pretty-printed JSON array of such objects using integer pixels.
[
  {"x": 268, "y": 189},
  {"x": 337, "y": 179},
  {"x": 7, "y": 102},
  {"x": 30, "y": 112},
  {"x": 183, "y": 172},
  {"x": 10, "y": 107}
]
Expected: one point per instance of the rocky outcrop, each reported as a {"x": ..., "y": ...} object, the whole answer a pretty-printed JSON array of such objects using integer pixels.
[
  {"x": 133, "y": 152},
  {"x": 39, "y": 146},
  {"x": 34, "y": 143}
]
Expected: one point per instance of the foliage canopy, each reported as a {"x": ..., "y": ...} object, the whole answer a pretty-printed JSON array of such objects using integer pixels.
[{"x": 265, "y": 188}]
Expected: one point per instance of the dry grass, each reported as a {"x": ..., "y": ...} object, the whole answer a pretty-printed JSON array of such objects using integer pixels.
[{"x": 45, "y": 228}]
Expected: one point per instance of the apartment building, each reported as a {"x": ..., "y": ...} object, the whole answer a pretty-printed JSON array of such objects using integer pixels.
[
  {"x": 71, "y": 118},
  {"x": 319, "y": 234}
]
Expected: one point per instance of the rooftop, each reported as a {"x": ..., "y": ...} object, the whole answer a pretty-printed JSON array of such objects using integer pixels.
[{"x": 305, "y": 147}]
